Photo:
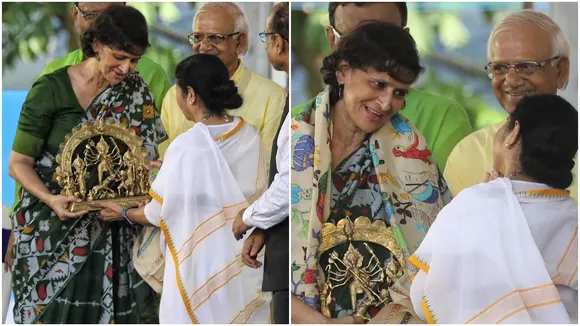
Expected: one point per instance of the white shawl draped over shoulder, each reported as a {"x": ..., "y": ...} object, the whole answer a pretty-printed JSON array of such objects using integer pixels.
[
  {"x": 203, "y": 183},
  {"x": 485, "y": 261}
]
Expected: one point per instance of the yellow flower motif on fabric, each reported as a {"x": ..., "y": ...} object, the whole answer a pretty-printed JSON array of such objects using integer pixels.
[
  {"x": 316, "y": 156},
  {"x": 383, "y": 178},
  {"x": 148, "y": 112},
  {"x": 352, "y": 176}
]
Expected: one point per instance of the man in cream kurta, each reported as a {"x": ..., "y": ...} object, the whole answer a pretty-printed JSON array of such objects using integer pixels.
[
  {"x": 222, "y": 29},
  {"x": 518, "y": 38},
  {"x": 464, "y": 171}
]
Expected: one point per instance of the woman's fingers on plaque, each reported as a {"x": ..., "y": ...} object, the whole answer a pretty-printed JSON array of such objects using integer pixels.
[{"x": 155, "y": 164}]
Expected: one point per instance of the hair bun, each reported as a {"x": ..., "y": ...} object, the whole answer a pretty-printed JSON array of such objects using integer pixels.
[{"x": 226, "y": 95}]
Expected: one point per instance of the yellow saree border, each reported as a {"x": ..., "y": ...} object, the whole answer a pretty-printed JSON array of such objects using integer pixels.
[
  {"x": 155, "y": 196},
  {"x": 511, "y": 303},
  {"x": 177, "y": 275},
  {"x": 231, "y": 132},
  {"x": 426, "y": 307},
  {"x": 567, "y": 267},
  {"x": 249, "y": 309},
  {"x": 419, "y": 263}
]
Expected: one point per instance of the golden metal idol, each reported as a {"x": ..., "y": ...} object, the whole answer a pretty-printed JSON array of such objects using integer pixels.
[
  {"x": 367, "y": 282},
  {"x": 97, "y": 149}
]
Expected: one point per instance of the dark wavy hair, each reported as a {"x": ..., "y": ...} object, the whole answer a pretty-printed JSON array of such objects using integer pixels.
[
  {"x": 120, "y": 27},
  {"x": 383, "y": 46},
  {"x": 549, "y": 138},
  {"x": 209, "y": 78}
]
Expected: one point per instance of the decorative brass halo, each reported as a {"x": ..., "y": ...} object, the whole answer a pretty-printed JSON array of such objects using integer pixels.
[{"x": 110, "y": 152}]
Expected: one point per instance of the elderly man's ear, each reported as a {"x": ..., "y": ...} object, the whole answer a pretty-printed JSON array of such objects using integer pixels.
[
  {"x": 242, "y": 42},
  {"x": 563, "y": 67},
  {"x": 281, "y": 45}
]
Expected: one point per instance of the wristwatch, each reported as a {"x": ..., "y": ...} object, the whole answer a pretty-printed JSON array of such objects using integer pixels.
[{"x": 124, "y": 214}]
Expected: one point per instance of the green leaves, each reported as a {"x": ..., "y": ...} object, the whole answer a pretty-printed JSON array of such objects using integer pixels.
[{"x": 27, "y": 27}]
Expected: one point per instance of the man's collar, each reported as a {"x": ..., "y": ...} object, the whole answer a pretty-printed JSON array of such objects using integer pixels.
[{"x": 239, "y": 72}]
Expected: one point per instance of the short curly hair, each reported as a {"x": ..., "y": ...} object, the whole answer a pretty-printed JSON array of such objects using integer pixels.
[
  {"x": 383, "y": 46},
  {"x": 120, "y": 27}
]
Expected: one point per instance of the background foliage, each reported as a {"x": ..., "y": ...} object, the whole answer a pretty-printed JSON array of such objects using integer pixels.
[{"x": 28, "y": 28}]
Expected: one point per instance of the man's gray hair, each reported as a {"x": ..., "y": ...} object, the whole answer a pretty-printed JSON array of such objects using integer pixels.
[
  {"x": 560, "y": 44},
  {"x": 241, "y": 24}
]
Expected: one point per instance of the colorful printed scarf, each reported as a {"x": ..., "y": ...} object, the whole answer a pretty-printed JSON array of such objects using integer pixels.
[{"x": 411, "y": 187}]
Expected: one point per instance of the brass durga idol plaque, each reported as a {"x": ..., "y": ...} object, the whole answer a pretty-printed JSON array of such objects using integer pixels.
[
  {"x": 361, "y": 260},
  {"x": 102, "y": 161}
]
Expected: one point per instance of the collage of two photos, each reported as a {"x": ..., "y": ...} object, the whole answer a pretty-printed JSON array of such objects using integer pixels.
[
  {"x": 141, "y": 144},
  {"x": 289, "y": 162}
]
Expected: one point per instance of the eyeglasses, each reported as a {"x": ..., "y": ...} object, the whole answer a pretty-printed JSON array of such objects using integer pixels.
[
  {"x": 523, "y": 68},
  {"x": 215, "y": 39},
  {"x": 264, "y": 36},
  {"x": 337, "y": 34},
  {"x": 87, "y": 15}
]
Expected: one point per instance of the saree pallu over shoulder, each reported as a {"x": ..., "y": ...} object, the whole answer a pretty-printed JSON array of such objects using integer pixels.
[
  {"x": 196, "y": 219},
  {"x": 480, "y": 264},
  {"x": 410, "y": 184},
  {"x": 79, "y": 271}
]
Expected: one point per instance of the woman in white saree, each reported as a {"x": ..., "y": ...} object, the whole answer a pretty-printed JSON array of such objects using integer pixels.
[
  {"x": 506, "y": 251},
  {"x": 210, "y": 173}
]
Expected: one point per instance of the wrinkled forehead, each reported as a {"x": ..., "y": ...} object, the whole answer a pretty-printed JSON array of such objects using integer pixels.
[
  {"x": 214, "y": 21},
  {"x": 123, "y": 54},
  {"x": 97, "y": 7},
  {"x": 523, "y": 42},
  {"x": 376, "y": 75},
  {"x": 349, "y": 16}
]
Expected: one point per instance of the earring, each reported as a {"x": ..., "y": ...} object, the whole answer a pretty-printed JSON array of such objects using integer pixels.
[
  {"x": 507, "y": 145},
  {"x": 98, "y": 56},
  {"x": 340, "y": 90},
  {"x": 404, "y": 104}
]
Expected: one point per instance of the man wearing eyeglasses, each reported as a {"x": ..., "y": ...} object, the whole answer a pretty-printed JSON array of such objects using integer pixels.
[
  {"x": 528, "y": 54},
  {"x": 221, "y": 29},
  {"x": 442, "y": 121},
  {"x": 269, "y": 213}
]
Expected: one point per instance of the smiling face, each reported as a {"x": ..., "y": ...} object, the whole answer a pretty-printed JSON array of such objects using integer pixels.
[
  {"x": 217, "y": 21},
  {"x": 371, "y": 98},
  {"x": 115, "y": 64},
  {"x": 526, "y": 43}
]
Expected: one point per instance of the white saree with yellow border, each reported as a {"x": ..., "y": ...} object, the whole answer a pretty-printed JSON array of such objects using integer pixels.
[
  {"x": 501, "y": 252},
  {"x": 209, "y": 174}
]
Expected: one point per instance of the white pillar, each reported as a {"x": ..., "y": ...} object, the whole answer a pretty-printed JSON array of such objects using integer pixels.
[{"x": 565, "y": 14}]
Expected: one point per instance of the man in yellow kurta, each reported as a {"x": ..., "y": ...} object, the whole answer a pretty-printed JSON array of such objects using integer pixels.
[
  {"x": 528, "y": 54},
  {"x": 222, "y": 29}
]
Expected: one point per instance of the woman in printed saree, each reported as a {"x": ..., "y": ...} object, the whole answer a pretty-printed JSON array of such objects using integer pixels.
[
  {"x": 71, "y": 267},
  {"x": 365, "y": 188},
  {"x": 209, "y": 173},
  {"x": 506, "y": 251}
]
